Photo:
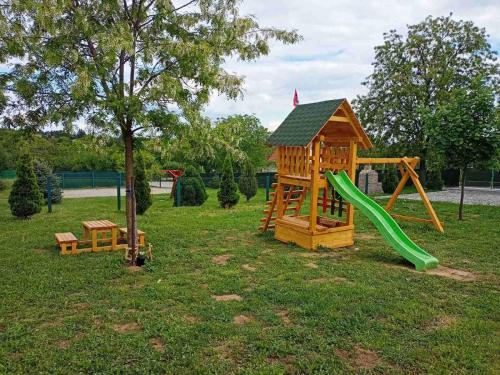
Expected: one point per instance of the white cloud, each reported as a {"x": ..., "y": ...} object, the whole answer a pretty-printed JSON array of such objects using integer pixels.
[{"x": 337, "y": 51}]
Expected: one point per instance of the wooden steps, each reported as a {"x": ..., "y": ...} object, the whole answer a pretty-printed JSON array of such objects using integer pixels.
[{"x": 292, "y": 202}]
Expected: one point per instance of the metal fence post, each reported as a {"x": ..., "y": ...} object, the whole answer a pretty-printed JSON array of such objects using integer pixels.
[
  {"x": 49, "y": 194},
  {"x": 119, "y": 192},
  {"x": 62, "y": 178},
  {"x": 268, "y": 183},
  {"x": 178, "y": 192},
  {"x": 366, "y": 183}
]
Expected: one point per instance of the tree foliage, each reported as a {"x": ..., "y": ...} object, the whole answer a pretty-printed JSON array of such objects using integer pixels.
[
  {"x": 228, "y": 192},
  {"x": 390, "y": 180},
  {"x": 25, "y": 199},
  {"x": 193, "y": 191},
  {"x": 43, "y": 171},
  {"x": 248, "y": 181},
  {"x": 118, "y": 64},
  {"x": 413, "y": 75},
  {"x": 466, "y": 129},
  {"x": 142, "y": 190}
]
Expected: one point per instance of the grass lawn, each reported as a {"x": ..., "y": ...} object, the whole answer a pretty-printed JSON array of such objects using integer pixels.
[{"x": 351, "y": 310}]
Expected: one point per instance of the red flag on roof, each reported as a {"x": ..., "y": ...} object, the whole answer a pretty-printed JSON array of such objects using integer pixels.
[{"x": 295, "y": 99}]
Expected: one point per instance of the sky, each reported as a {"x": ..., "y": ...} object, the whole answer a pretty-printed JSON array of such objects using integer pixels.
[{"x": 337, "y": 51}]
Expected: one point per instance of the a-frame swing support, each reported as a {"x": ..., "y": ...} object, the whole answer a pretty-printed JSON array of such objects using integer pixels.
[{"x": 407, "y": 169}]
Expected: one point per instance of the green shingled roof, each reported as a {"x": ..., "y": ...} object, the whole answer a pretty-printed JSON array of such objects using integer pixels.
[{"x": 303, "y": 123}]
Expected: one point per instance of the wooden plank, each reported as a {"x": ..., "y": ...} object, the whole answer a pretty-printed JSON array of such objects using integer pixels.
[
  {"x": 339, "y": 119},
  {"x": 412, "y": 218},
  {"x": 383, "y": 160},
  {"x": 353, "y": 150},
  {"x": 314, "y": 187}
]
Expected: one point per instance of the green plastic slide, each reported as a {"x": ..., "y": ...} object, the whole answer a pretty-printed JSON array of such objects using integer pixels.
[{"x": 384, "y": 222}]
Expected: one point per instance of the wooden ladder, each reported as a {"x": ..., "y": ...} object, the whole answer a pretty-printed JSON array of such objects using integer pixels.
[{"x": 290, "y": 196}]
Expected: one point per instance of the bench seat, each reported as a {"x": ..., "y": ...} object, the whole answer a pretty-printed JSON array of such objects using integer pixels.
[
  {"x": 140, "y": 235},
  {"x": 65, "y": 239}
]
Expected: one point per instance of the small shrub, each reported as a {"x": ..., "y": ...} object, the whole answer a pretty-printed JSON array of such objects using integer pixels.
[
  {"x": 228, "y": 193},
  {"x": 25, "y": 198},
  {"x": 193, "y": 191},
  {"x": 390, "y": 180},
  {"x": 142, "y": 190},
  {"x": 248, "y": 181},
  {"x": 42, "y": 172},
  {"x": 434, "y": 180},
  {"x": 214, "y": 182},
  {"x": 3, "y": 185}
]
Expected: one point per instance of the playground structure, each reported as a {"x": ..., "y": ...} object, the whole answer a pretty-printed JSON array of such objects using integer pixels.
[{"x": 316, "y": 142}]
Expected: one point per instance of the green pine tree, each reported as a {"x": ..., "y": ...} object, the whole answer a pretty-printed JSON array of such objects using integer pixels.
[
  {"x": 193, "y": 191},
  {"x": 228, "y": 193},
  {"x": 25, "y": 198},
  {"x": 248, "y": 181},
  {"x": 141, "y": 187}
]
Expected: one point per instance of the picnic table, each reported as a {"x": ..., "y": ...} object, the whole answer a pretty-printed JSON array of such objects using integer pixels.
[
  {"x": 95, "y": 227},
  {"x": 103, "y": 235}
]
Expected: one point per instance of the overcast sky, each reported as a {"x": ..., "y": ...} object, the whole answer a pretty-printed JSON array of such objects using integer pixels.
[{"x": 337, "y": 51}]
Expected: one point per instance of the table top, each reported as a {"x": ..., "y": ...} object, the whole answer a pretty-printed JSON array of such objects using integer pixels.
[{"x": 99, "y": 224}]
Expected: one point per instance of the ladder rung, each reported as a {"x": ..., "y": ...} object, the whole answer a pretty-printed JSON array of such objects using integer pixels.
[
  {"x": 270, "y": 219},
  {"x": 274, "y": 184}
]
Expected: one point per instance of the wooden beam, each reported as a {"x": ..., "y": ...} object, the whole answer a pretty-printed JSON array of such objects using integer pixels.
[
  {"x": 340, "y": 139},
  {"x": 383, "y": 160},
  {"x": 315, "y": 177},
  {"x": 339, "y": 119},
  {"x": 412, "y": 218},
  {"x": 409, "y": 168},
  {"x": 353, "y": 150}
]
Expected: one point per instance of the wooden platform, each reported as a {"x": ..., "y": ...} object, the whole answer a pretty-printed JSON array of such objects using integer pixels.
[{"x": 296, "y": 230}]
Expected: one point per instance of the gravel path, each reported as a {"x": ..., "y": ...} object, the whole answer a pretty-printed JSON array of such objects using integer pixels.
[
  {"x": 486, "y": 197},
  {"x": 109, "y": 192}
]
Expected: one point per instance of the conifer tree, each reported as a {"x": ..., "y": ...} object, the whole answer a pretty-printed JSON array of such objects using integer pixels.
[
  {"x": 248, "y": 181},
  {"x": 228, "y": 193},
  {"x": 25, "y": 198},
  {"x": 193, "y": 191}
]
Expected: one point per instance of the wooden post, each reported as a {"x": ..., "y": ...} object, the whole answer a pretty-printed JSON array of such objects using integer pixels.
[
  {"x": 353, "y": 154},
  {"x": 313, "y": 213},
  {"x": 401, "y": 185}
]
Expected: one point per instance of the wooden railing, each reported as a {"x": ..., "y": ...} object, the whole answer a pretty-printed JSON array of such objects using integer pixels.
[{"x": 294, "y": 160}]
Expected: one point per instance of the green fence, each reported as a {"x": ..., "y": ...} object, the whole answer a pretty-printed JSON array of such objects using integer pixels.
[
  {"x": 92, "y": 179},
  {"x": 8, "y": 173}
]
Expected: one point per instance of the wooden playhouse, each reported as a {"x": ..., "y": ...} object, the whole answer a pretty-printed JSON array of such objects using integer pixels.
[{"x": 313, "y": 139}]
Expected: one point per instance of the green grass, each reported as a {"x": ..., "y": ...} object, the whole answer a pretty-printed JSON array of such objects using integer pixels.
[{"x": 63, "y": 314}]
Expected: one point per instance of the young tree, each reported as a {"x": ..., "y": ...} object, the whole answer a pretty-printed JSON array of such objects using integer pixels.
[
  {"x": 415, "y": 74},
  {"x": 193, "y": 191},
  {"x": 228, "y": 193},
  {"x": 42, "y": 172},
  {"x": 466, "y": 129},
  {"x": 248, "y": 181},
  {"x": 25, "y": 199},
  {"x": 118, "y": 63},
  {"x": 142, "y": 188}
]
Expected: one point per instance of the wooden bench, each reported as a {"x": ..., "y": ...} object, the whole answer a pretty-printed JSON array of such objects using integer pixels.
[
  {"x": 140, "y": 235},
  {"x": 65, "y": 239}
]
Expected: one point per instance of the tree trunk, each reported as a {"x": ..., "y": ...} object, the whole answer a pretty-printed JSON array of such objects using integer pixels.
[
  {"x": 423, "y": 172},
  {"x": 131, "y": 210},
  {"x": 462, "y": 193}
]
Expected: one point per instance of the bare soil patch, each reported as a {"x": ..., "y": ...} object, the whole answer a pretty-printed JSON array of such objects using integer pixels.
[
  {"x": 312, "y": 265},
  {"x": 242, "y": 319},
  {"x": 127, "y": 327},
  {"x": 440, "y": 322},
  {"x": 452, "y": 273},
  {"x": 365, "y": 236},
  {"x": 283, "y": 315},
  {"x": 221, "y": 259},
  {"x": 286, "y": 362},
  {"x": 360, "y": 358},
  {"x": 228, "y": 297},
  {"x": 191, "y": 319},
  {"x": 336, "y": 279},
  {"x": 157, "y": 344},
  {"x": 248, "y": 267},
  {"x": 63, "y": 344}
]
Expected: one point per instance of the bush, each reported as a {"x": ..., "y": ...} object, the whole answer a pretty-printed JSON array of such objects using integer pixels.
[
  {"x": 390, "y": 180},
  {"x": 434, "y": 180},
  {"x": 228, "y": 191},
  {"x": 142, "y": 190},
  {"x": 42, "y": 172},
  {"x": 25, "y": 199},
  {"x": 214, "y": 182},
  {"x": 193, "y": 191},
  {"x": 3, "y": 185},
  {"x": 248, "y": 181}
]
